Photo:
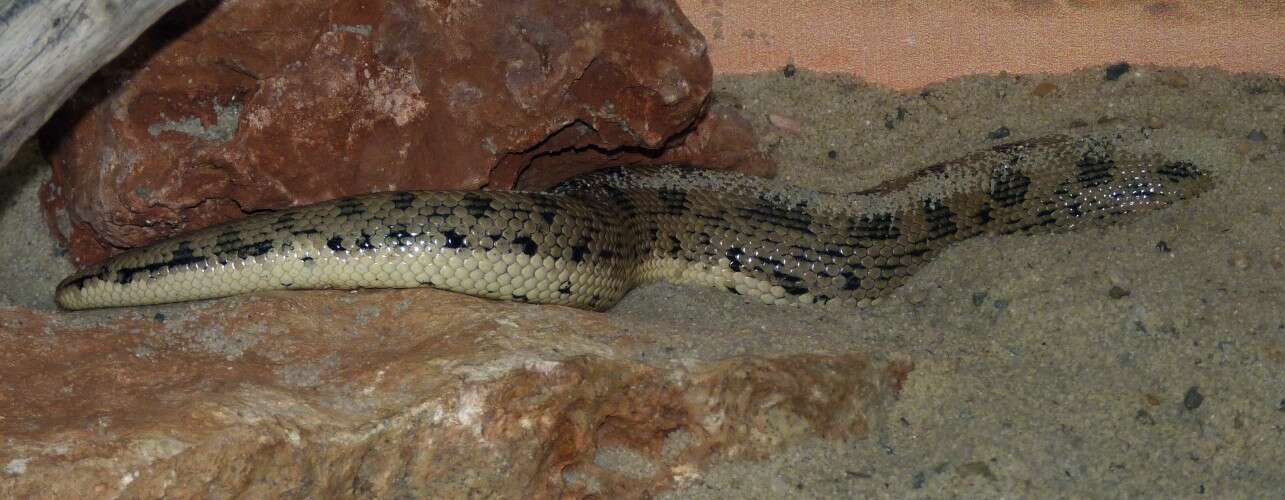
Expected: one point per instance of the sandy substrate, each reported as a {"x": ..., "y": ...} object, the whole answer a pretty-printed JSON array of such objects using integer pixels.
[{"x": 1141, "y": 360}]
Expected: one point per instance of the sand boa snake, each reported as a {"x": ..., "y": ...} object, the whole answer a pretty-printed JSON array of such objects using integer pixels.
[{"x": 590, "y": 240}]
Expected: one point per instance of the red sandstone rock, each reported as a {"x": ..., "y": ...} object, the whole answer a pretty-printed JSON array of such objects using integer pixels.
[
  {"x": 723, "y": 138},
  {"x": 399, "y": 393},
  {"x": 249, "y": 105}
]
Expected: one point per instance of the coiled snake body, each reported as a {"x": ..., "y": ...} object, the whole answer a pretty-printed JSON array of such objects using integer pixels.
[{"x": 590, "y": 240}]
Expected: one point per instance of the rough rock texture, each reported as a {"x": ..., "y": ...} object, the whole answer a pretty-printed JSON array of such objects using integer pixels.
[
  {"x": 227, "y": 108},
  {"x": 393, "y": 394},
  {"x": 723, "y": 137}
]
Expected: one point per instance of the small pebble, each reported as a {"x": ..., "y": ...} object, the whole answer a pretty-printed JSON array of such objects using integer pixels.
[
  {"x": 1162, "y": 246},
  {"x": 1175, "y": 80},
  {"x": 1239, "y": 261},
  {"x": 1242, "y": 148},
  {"x": 785, "y": 123},
  {"x": 1193, "y": 398},
  {"x": 999, "y": 133},
  {"x": 1155, "y": 123},
  {"x": 832, "y": 154},
  {"x": 979, "y": 298},
  {"x": 1143, "y": 417},
  {"x": 1043, "y": 89},
  {"x": 789, "y": 70},
  {"x": 1115, "y": 71},
  {"x": 159, "y": 317},
  {"x": 1000, "y": 304},
  {"x": 1256, "y": 135},
  {"x": 1108, "y": 120},
  {"x": 917, "y": 296},
  {"x": 1117, "y": 293}
]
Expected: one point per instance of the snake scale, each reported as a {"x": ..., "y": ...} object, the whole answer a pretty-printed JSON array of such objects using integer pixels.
[{"x": 588, "y": 241}]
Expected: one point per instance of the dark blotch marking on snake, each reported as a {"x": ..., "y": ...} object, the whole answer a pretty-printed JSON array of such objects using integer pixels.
[
  {"x": 254, "y": 249},
  {"x": 182, "y": 255},
  {"x": 399, "y": 236},
  {"x": 1179, "y": 170},
  {"x": 363, "y": 242},
  {"x": 1009, "y": 187},
  {"x": 1095, "y": 168},
  {"x": 578, "y": 252},
  {"x": 528, "y": 245},
  {"x": 874, "y": 227},
  {"x": 454, "y": 239},
  {"x": 335, "y": 244},
  {"x": 940, "y": 219}
]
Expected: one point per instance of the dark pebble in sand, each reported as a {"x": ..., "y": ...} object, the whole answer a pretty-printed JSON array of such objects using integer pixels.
[
  {"x": 979, "y": 298},
  {"x": 789, "y": 70},
  {"x": 1193, "y": 398},
  {"x": 1256, "y": 135},
  {"x": 1000, "y": 304},
  {"x": 999, "y": 133},
  {"x": 1117, "y": 293},
  {"x": 1281, "y": 406},
  {"x": 159, "y": 317},
  {"x": 1162, "y": 246},
  {"x": 1143, "y": 417},
  {"x": 1115, "y": 71},
  {"x": 832, "y": 154}
]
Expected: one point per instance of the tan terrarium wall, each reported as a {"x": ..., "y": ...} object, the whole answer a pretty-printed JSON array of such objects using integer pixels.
[{"x": 907, "y": 44}]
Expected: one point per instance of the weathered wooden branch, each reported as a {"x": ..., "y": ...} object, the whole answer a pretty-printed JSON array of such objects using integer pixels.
[{"x": 48, "y": 48}]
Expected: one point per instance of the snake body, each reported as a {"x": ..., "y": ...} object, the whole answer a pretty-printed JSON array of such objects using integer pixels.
[{"x": 590, "y": 240}]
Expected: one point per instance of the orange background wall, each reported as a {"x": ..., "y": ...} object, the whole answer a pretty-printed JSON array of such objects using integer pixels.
[{"x": 906, "y": 44}]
